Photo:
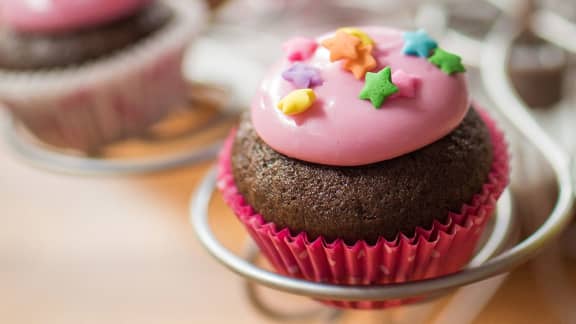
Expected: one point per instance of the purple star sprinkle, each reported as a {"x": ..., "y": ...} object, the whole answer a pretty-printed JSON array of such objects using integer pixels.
[{"x": 303, "y": 76}]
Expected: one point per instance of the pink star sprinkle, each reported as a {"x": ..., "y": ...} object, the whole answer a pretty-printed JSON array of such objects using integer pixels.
[
  {"x": 406, "y": 84},
  {"x": 299, "y": 48}
]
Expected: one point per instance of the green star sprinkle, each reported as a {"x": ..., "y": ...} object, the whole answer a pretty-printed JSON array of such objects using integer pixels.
[
  {"x": 378, "y": 87},
  {"x": 447, "y": 62}
]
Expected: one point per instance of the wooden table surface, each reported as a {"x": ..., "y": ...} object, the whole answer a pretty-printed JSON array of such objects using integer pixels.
[{"x": 111, "y": 249}]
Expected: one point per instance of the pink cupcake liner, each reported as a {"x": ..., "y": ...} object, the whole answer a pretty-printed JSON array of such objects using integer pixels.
[
  {"x": 443, "y": 249},
  {"x": 112, "y": 98}
]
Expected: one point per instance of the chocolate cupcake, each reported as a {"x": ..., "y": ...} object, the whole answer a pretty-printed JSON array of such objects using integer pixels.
[
  {"x": 363, "y": 161},
  {"x": 81, "y": 74},
  {"x": 387, "y": 198}
]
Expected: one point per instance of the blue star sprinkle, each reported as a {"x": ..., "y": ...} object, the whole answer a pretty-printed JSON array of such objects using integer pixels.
[{"x": 418, "y": 43}]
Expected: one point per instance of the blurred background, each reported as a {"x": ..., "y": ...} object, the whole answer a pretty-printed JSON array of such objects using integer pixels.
[{"x": 119, "y": 248}]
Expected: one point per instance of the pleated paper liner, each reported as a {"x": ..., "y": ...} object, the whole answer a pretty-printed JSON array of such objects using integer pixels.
[
  {"x": 443, "y": 249},
  {"x": 114, "y": 97}
]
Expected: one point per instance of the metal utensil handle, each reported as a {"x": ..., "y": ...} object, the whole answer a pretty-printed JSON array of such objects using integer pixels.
[{"x": 498, "y": 86}]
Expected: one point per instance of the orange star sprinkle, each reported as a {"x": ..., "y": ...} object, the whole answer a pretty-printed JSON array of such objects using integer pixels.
[
  {"x": 363, "y": 63},
  {"x": 342, "y": 46}
]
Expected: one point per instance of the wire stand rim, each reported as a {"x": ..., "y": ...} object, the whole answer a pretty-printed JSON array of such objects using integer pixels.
[
  {"x": 199, "y": 219},
  {"x": 55, "y": 161}
]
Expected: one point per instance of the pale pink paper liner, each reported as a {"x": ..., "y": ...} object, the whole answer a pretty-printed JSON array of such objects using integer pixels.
[
  {"x": 443, "y": 249},
  {"x": 112, "y": 98}
]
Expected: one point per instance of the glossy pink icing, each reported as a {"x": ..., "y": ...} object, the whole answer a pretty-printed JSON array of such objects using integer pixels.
[
  {"x": 342, "y": 130},
  {"x": 63, "y": 15}
]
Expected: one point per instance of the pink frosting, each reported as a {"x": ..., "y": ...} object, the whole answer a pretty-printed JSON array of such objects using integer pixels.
[
  {"x": 62, "y": 15},
  {"x": 342, "y": 130}
]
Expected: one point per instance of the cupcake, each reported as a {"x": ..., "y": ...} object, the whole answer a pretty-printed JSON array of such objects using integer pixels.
[
  {"x": 81, "y": 74},
  {"x": 364, "y": 161}
]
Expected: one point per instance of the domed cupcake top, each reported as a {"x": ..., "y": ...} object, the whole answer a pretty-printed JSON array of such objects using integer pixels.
[
  {"x": 48, "y": 16},
  {"x": 360, "y": 96}
]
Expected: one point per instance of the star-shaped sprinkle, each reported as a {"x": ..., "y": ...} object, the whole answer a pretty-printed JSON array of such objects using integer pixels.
[
  {"x": 363, "y": 63},
  {"x": 447, "y": 62},
  {"x": 418, "y": 43},
  {"x": 297, "y": 101},
  {"x": 299, "y": 48},
  {"x": 302, "y": 76},
  {"x": 378, "y": 87},
  {"x": 406, "y": 84},
  {"x": 342, "y": 46},
  {"x": 357, "y": 32}
]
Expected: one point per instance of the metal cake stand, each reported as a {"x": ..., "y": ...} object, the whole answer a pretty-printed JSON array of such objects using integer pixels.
[
  {"x": 45, "y": 157},
  {"x": 489, "y": 262},
  {"x": 498, "y": 235}
]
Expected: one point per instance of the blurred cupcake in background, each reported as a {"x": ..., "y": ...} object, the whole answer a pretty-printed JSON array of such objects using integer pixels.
[{"x": 81, "y": 74}]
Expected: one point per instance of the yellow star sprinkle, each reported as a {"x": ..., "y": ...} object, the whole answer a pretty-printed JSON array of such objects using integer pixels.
[
  {"x": 359, "y": 33},
  {"x": 297, "y": 101}
]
